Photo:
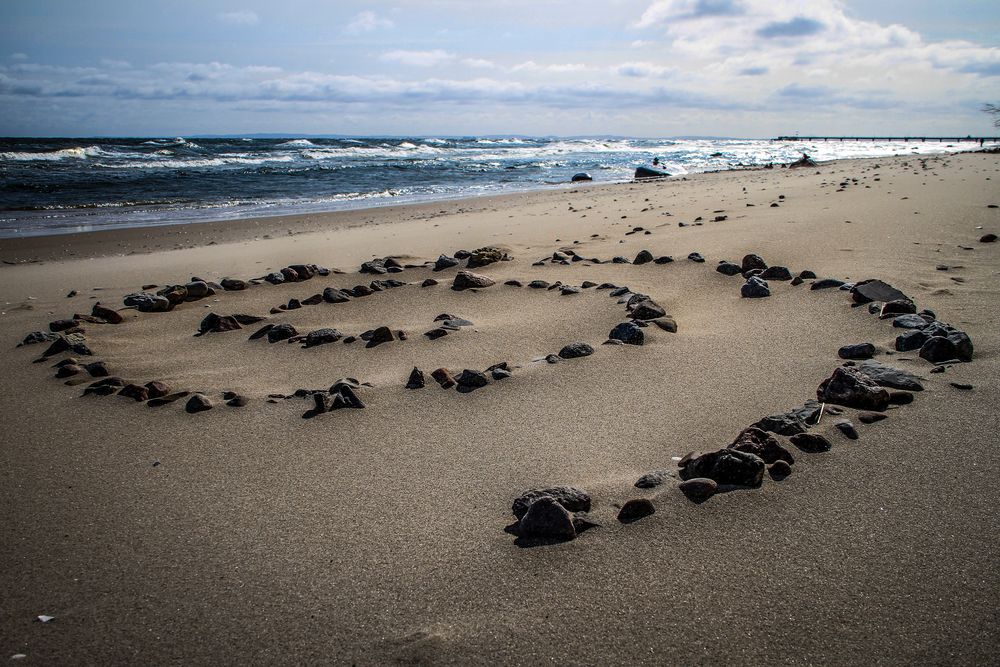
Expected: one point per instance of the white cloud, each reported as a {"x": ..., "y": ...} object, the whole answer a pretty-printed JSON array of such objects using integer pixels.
[
  {"x": 367, "y": 21},
  {"x": 244, "y": 17},
  {"x": 417, "y": 58},
  {"x": 18, "y": 56}
]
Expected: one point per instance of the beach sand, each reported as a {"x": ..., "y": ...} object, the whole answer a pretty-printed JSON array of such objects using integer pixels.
[{"x": 253, "y": 536}]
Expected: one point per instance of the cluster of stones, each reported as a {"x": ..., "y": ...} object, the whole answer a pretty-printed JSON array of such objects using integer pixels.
[
  {"x": 465, "y": 382},
  {"x": 859, "y": 384},
  {"x": 341, "y": 395},
  {"x": 756, "y": 273},
  {"x": 567, "y": 257}
]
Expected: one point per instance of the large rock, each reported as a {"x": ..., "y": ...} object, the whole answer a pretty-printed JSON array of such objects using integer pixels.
[
  {"x": 876, "y": 290},
  {"x": 811, "y": 442},
  {"x": 576, "y": 350},
  {"x": 484, "y": 256},
  {"x": 887, "y": 376},
  {"x": 322, "y": 337},
  {"x": 547, "y": 519},
  {"x": 636, "y": 509},
  {"x": 445, "y": 262},
  {"x": 109, "y": 315},
  {"x": 854, "y": 389},
  {"x": 628, "y": 333},
  {"x": 213, "y": 323},
  {"x": 755, "y": 288},
  {"x": 757, "y": 441},
  {"x": 698, "y": 489},
  {"x": 469, "y": 380},
  {"x": 145, "y": 302},
  {"x": 728, "y": 268},
  {"x": 572, "y": 498},
  {"x": 468, "y": 279},
  {"x": 857, "y": 351},
  {"x": 280, "y": 332},
  {"x": 779, "y": 273},
  {"x": 647, "y": 309},
  {"x": 36, "y": 337},
  {"x": 416, "y": 379},
  {"x": 726, "y": 466},
  {"x": 333, "y": 295},
  {"x": 644, "y": 257},
  {"x": 751, "y": 262}
]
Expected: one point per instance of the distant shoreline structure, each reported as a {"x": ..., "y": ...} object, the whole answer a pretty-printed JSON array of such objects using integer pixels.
[{"x": 980, "y": 140}]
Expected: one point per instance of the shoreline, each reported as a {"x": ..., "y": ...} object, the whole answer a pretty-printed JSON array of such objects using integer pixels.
[{"x": 157, "y": 238}]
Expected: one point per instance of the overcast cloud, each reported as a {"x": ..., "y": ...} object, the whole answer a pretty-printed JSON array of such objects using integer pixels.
[{"x": 721, "y": 67}]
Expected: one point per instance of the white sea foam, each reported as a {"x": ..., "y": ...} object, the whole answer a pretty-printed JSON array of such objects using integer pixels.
[
  {"x": 297, "y": 143},
  {"x": 75, "y": 153}
]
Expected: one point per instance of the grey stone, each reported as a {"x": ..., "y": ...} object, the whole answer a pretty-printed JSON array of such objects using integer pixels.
[
  {"x": 699, "y": 488},
  {"x": 467, "y": 279},
  {"x": 572, "y": 498},
  {"x": 576, "y": 350},
  {"x": 627, "y": 332},
  {"x": 857, "y": 351},
  {"x": 654, "y": 478},
  {"x": 726, "y": 466},
  {"x": 853, "y": 389},
  {"x": 546, "y": 518},
  {"x": 888, "y": 376},
  {"x": 754, "y": 288},
  {"x": 635, "y": 509}
]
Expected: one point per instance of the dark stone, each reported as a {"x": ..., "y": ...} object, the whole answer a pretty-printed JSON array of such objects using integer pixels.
[
  {"x": 853, "y": 389},
  {"x": 726, "y": 466},
  {"x": 374, "y": 266},
  {"x": 293, "y": 304},
  {"x": 900, "y": 398},
  {"x": 470, "y": 379},
  {"x": 654, "y": 478},
  {"x": 275, "y": 278},
  {"x": 462, "y": 254},
  {"x": 514, "y": 283},
  {"x": 582, "y": 176},
  {"x": 429, "y": 282},
  {"x": 331, "y": 295},
  {"x": 445, "y": 262},
  {"x": 312, "y": 300},
  {"x": 547, "y": 519},
  {"x": 569, "y": 289},
  {"x": 871, "y": 417},
  {"x": 63, "y": 325},
  {"x": 379, "y": 336},
  {"x": 484, "y": 256},
  {"x": 98, "y": 369},
  {"x": 756, "y": 441},
  {"x": 635, "y": 509},
  {"x": 644, "y": 257},
  {"x": 233, "y": 284},
  {"x": 571, "y": 498},
  {"x": 304, "y": 271},
  {"x": 237, "y": 401},
  {"x": 647, "y": 309},
  {"x": 754, "y": 288},
  {"x": 876, "y": 290},
  {"x": 627, "y": 332},
  {"x": 807, "y": 275},
  {"x": 198, "y": 290},
  {"x": 198, "y": 403},
  {"x": 416, "y": 379},
  {"x": 898, "y": 307},
  {"x": 618, "y": 259},
  {"x": 751, "y": 262},
  {"x": 962, "y": 343},
  {"x": 36, "y": 337},
  {"x": 780, "y": 273},
  {"x": 157, "y": 389},
  {"x": 260, "y": 333},
  {"x": 699, "y": 489},
  {"x": 444, "y": 378},
  {"x": 175, "y": 294},
  {"x": 145, "y": 302},
  {"x": 213, "y": 323},
  {"x": 664, "y": 259},
  {"x": 109, "y": 315},
  {"x": 467, "y": 280},
  {"x": 938, "y": 349},
  {"x": 988, "y": 238},
  {"x": 322, "y": 337},
  {"x": 280, "y": 332},
  {"x": 811, "y": 442},
  {"x": 780, "y": 470},
  {"x": 68, "y": 370},
  {"x": 909, "y": 321},
  {"x": 826, "y": 283},
  {"x": 847, "y": 428},
  {"x": 696, "y": 257},
  {"x": 135, "y": 392},
  {"x": 963, "y": 386},
  {"x": 434, "y": 334},
  {"x": 887, "y": 376},
  {"x": 857, "y": 351},
  {"x": 728, "y": 269},
  {"x": 911, "y": 340},
  {"x": 359, "y": 291},
  {"x": 576, "y": 350},
  {"x": 553, "y": 358}
]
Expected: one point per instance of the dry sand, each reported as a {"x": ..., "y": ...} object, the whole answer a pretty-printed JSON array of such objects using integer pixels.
[{"x": 377, "y": 535}]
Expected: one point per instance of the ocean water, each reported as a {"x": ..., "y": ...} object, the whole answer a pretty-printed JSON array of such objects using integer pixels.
[{"x": 50, "y": 186}]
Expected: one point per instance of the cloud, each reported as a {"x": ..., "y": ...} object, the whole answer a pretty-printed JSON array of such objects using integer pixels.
[
  {"x": 644, "y": 70},
  {"x": 417, "y": 58},
  {"x": 754, "y": 71},
  {"x": 367, "y": 21},
  {"x": 18, "y": 56},
  {"x": 688, "y": 10},
  {"x": 244, "y": 17},
  {"x": 799, "y": 26}
]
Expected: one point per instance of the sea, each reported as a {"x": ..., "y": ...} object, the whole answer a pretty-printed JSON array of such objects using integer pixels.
[{"x": 53, "y": 186}]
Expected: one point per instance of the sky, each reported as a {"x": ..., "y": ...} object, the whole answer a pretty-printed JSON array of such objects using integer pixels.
[{"x": 652, "y": 68}]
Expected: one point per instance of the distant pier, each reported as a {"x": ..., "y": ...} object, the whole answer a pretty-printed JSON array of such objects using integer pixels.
[{"x": 979, "y": 140}]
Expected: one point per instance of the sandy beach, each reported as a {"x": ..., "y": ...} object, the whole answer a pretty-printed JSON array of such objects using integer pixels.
[{"x": 250, "y": 535}]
